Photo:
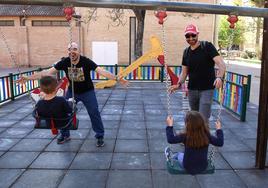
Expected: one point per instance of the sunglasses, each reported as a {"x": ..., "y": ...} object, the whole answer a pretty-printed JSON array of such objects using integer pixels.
[{"x": 190, "y": 35}]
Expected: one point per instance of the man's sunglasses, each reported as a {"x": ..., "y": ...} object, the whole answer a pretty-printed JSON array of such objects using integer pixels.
[{"x": 190, "y": 35}]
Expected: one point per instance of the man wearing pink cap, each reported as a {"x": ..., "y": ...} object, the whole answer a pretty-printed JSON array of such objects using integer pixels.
[
  {"x": 198, "y": 63},
  {"x": 77, "y": 69}
]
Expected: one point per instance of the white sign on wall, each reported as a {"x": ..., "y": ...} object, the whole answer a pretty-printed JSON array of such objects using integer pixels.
[{"x": 105, "y": 53}]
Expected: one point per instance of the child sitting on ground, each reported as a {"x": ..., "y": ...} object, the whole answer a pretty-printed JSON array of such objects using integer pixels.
[
  {"x": 54, "y": 107},
  {"x": 196, "y": 139}
]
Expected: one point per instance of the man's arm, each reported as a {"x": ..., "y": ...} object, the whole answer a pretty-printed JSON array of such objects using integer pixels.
[
  {"x": 38, "y": 75},
  {"x": 221, "y": 70},
  {"x": 111, "y": 76},
  {"x": 183, "y": 76}
]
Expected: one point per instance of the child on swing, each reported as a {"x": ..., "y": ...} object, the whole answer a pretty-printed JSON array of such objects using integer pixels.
[
  {"x": 196, "y": 139},
  {"x": 52, "y": 106}
]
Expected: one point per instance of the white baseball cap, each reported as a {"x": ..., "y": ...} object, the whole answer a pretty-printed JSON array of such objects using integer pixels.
[{"x": 73, "y": 45}]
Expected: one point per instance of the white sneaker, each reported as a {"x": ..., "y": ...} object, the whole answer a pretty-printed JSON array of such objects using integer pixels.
[{"x": 168, "y": 153}]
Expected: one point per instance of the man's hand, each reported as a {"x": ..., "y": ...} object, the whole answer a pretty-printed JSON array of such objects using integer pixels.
[
  {"x": 218, "y": 125},
  {"x": 123, "y": 82},
  {"x": 22, "y": 80},
  {"x": 169, "y": 121},
  {"x": 218, "y": 83},
  {"x": 173, "y": 88}
]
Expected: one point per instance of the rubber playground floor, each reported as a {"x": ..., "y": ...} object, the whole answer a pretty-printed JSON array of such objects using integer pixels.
[{"x": 134, "y": 121}]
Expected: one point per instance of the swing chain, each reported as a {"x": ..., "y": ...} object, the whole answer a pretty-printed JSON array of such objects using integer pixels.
[{"x": 166, "y": 70}]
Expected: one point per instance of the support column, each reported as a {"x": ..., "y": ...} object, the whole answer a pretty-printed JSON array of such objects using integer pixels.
[{"x": 262, "y": 134}]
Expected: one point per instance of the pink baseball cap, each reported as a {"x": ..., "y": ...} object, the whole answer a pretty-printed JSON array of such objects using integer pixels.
[
  {"x": 73, "y": 45},
  {"x": 191, "y": 29}
]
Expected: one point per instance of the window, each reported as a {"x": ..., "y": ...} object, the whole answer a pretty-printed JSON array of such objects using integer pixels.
[
  {"x": 47, "y": 23},
  {"x": 7, "y": 23}
]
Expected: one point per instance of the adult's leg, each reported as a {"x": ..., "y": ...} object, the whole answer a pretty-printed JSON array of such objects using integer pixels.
[
  {"x": 193, "y": 96},
  {"x": 90, "y": 101},
  {"x": 206, "y": 98}
]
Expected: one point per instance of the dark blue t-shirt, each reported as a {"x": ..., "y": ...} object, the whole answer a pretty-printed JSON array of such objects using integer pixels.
[
  {"x": 81, "y": 73},
  {"x": 56, "y": 108},
  {"x": 194, "y": 160}
]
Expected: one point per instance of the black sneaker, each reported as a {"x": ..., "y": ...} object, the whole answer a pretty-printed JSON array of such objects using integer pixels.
[
  {"x": 62, "y": 139},
  {"x": 100, "y": 142}
]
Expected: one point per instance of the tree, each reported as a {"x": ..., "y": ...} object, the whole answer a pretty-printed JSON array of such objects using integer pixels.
[
  {"x": 258, "y": 22},
  {"x": 228, "y": 36}
]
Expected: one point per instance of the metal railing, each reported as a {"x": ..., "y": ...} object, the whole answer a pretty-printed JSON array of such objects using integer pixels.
[{"x": 235, "y": 99}]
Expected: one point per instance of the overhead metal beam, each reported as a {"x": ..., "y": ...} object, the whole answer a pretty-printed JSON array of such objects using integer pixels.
[{"x": 150, "y": 5}]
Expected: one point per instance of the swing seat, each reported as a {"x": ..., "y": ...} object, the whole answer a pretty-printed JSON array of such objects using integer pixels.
[{"x": 174, "y": 167}]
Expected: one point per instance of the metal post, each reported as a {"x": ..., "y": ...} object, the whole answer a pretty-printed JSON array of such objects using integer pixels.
[
  {"x": 262, "y": 131},
  {"x": 244, "y": 102},
  {"x": 11, "y": 86},
  {"x": 249, "y": 87}
]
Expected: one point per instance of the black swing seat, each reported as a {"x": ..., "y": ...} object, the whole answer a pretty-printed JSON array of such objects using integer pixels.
[
  {"x": 174, "y": 167},
  {"x": 49, "y": 123}
]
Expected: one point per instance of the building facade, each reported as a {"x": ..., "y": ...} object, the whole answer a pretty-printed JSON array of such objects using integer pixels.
[{"x": 38, "y": 35}]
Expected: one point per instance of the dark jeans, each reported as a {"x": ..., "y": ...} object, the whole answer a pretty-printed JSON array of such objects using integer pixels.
[
  {"x": 201, "y": 101},
  {"x": 90, "y": 101}
]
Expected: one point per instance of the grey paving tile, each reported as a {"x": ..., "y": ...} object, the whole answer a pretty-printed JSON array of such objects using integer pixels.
[
  {"x": 251, "y": 143},
  {"x": 158, "y": 161},
  {"x": 6, "y": 143},
  {"x": 111, "y": 111},
  {"x": 220, "y": 163},
  {"x": 8, "y": 176},
  {"x": 133, "y": 107},
  {"x": 108, "y": 134},
  {"x": 29, "y": 124},
  {"x": 156, "y": 125},
  {"x": 240, "y": 160},
  {"x": 41, "y": 133},
  {"x": 31, "y": 145},
  {"x": 15, "y": 133},
  {"x": 130, "y": 161},
  {"x": 53, "y": 160},
  {"x": 162, "y": 179},
  {"x": 111, "y": 124},
  {"x": 90, "y": 146},
  {"x": 79, "y": 133},
  {"x": 159, "y": 145},
  {"x": 84, "y": 179},
  {"x": 124, "y": 178},
  {"x": 157, "y": 134},
  {"x": 132, "y": 117},
  {"x": 83, "y": 117},
  {"x": 132, "y": 125},
  {"x": 84, "y": 124},
  {"x": 254, "y": 178},
  {"x": 245, "y": 133},
  {"x": 2, "y": 130},
  {"x": 106, "y": 117},
  {"x": 39, "y": 178},
  {"x": 234, "y": 145},
  {"x": 126, "y": 146},
  {"x": 7, "y": 122},
  {"x": 15, "y": 116},
  {"x": 159, "y": 118},
  {"x": 17, "y": 159},
  {"x": 220, "y": 179},
  {"x": 131, "y": 134},
  {"x": 92, "y": 161},
  {"x": 70, "y": 146}
]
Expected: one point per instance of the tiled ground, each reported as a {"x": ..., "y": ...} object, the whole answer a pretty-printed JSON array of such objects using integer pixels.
[{"x": 134, "y": 121}]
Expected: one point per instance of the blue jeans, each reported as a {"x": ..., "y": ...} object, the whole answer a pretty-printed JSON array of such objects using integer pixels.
[
  {"x": 90, "y": 102},
  {"x": 179, "y": 156},
  {"x": 201, "y": 101}
]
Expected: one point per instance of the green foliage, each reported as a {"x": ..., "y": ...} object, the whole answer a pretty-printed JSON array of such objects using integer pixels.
[{"x": 227, "y": 36}]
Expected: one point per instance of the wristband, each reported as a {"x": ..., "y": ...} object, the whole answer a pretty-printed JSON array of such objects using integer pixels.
[{"x": 220, "y": 78}]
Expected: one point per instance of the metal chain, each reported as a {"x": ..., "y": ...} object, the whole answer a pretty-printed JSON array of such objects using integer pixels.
[
  {"x": 212, "y": 152},
  {"x": 166, "y": 70}
]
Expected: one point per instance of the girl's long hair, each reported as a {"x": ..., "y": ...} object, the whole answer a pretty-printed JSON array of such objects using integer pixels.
[{"x": 197, "y": 131}]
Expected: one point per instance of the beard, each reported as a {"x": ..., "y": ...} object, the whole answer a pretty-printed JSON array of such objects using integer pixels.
[
  {"x": 192, "y": 41},
  {"x": 73, "y": 56}
]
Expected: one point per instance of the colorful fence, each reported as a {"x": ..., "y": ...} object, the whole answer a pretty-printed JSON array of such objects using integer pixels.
[{"x": 235, "y": 96}]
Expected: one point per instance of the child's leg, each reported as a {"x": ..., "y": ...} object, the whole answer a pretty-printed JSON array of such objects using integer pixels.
[
  {"x": 65, "y": 133},
  {"x": 179, "y": 156}
]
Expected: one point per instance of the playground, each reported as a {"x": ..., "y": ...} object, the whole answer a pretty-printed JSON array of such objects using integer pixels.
[
  {"x": 134, "y": 119},
  {"x": 133, "y": 156}
]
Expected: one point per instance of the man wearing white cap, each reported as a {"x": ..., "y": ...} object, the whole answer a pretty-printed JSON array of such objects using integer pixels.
[
  {"x": 198, "y": 63},
  {"x": 77, "y": 69}
]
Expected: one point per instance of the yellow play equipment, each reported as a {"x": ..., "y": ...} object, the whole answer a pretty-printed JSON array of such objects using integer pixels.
[{"x": 155, "y": 51}]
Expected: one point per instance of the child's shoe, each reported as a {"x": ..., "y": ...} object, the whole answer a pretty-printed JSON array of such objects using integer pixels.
[
  {"x": 168, "y": 153},
  {"x": 100, "y": 142},
  {"x": 62, "y": 139}
]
